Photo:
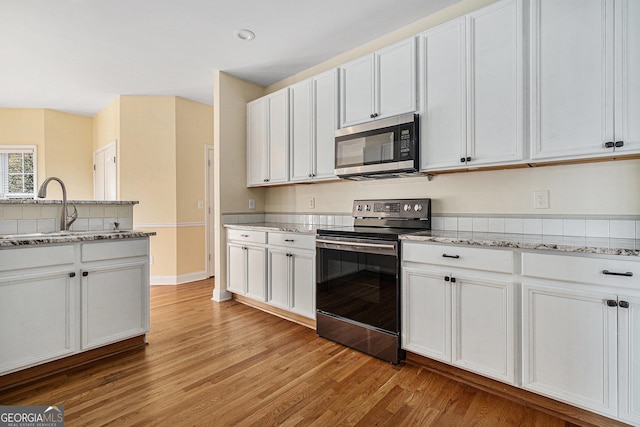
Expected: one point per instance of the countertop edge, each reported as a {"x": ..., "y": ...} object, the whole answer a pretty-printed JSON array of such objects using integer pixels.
[{"x": 89, "y": 237}]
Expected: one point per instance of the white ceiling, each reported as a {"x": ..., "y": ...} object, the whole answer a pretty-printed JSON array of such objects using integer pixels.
[{"x": 78, "y": 55}]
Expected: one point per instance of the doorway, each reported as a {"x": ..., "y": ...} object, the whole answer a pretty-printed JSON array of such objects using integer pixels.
[{"x": 105, "y": 173}]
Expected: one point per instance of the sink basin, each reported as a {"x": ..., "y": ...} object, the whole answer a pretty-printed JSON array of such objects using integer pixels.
[{"x": 54, "y": 234}]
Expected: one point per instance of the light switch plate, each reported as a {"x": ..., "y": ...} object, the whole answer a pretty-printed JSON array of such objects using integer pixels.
[{"x": 252, "y": 203}]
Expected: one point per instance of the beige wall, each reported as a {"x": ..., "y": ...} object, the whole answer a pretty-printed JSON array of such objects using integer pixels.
[
  {"x": 68, "y": 154},
  {"x": 64, "y": 146},
  {"x": 230, "y": 96}
]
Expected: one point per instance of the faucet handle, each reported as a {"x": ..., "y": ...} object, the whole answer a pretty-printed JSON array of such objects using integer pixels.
[{"x": 71, "y": 218}]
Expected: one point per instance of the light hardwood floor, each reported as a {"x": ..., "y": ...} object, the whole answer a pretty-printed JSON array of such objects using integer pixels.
[{"x": 226, "y": 364}]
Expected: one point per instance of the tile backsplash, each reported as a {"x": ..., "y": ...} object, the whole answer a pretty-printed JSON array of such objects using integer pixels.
[
  {"x": 613, "y": 227},
  {"x": 42, "y": 217}
]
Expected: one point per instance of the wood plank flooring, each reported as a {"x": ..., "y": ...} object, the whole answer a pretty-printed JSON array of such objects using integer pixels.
[{"x": 226, "y": 364}]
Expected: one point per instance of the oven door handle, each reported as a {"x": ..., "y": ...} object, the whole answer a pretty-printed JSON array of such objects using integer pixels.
[{"x": 362, "y": 245}]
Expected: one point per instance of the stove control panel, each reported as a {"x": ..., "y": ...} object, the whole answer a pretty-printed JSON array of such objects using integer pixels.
[{"x": 392, "y": 208}]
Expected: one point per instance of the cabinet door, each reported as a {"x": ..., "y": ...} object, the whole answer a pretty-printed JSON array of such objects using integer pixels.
[
  {"x": 443, "y": 133},
  {"x": 572, "y": 77},
  {"x": 627, "y": 41},
  {"x": 569, "y": 346},
  {"x": 303, "y": 284},
  {"x": 38, "y": 316},
  {"x": 278, "y": 137},
  {"x": 495, "y": 107},
  {"x": 426, "y": 314},
  {"x": 301, "y": 152},
  {"x": 279, "y": 276},
  {"x": 628, "y": 356},
  {"x": 325, "y": 92},
  {"x": 115, "y": 303},
  {"x": 256, "y": 273},
  {"x": 396, "y": 79},
  {"x": 483, "y": 327},
  {"x": 356, "y": 94},
  {"x": 236, "y": 269},
  {"x": 257, "y": 141}
]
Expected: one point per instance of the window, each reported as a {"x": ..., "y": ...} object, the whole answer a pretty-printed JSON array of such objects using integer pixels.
[{"x": 17, "y": 172}]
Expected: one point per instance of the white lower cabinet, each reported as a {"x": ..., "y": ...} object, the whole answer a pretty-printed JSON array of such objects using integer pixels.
[
  {"x": 454, "y": 312},
  {"x": 273, "y": 267},
  {"x": 291, "y": 273},
  {"x": 59, "y": 300},
  {"x": 246, "y": 263},
  {"x": 580, "y": 320}
]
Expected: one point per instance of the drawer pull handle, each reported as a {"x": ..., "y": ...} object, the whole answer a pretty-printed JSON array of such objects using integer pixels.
[
  {"x": 613, "y": 273},
  {"x": 244, "y": 235},
  {"x": 450, "y": 256},
  {"x": 289, "y": 240}
]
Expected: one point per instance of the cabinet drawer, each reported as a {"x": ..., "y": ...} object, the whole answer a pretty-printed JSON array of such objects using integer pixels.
[
  {"x": 98, "y": 251},
  {"x": 500, "y": 261},
  {"x": 582, "y": 269},
  {"x": 247, "y": 235},
  {"x": 15, "y": 259},
  {"x": 293, "y": 240}
]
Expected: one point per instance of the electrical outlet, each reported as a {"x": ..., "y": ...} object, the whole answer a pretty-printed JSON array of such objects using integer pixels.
[
  {"x": 200, "y": 204},
  {"x": 541, "y": 199},
  {"x": 252, "y": 203},
  {"x": 312, "y": 202}
]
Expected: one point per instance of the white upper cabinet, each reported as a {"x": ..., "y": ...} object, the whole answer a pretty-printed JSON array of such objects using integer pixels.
[
  {"x": 585, "y": 78},
  {"x": 268, "y": 139},
  {"x": 379, "y": 85},
  {"x": 472, "y": 89},
  {"x": 314, "y": 117}
]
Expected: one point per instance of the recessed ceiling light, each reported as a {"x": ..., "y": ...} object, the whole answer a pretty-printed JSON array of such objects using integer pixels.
[{"x": 244, "y": 34}]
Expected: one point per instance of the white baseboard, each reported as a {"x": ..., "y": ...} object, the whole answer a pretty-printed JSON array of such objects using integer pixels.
[
  {"x": 221, "y": 295},
  {"x": 179, "y": 280}
]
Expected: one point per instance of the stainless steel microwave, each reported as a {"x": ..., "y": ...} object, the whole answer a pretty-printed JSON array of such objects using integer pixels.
[{"x": 383, "y": 148}]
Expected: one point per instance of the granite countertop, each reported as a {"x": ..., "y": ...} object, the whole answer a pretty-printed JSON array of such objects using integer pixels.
[
  {"x": 10, "y": 241},
  {"x": 278, "y": 226},
  {"x": 586, "y": 245},
  {"x": 69, "y": 202}
]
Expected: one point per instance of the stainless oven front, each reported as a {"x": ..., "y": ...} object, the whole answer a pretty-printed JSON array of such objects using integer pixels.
[{"x": 358, "y": 294}]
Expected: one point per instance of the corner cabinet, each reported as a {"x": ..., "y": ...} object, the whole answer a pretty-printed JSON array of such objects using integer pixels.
[
  {"x": 314, "y": 120},
  {"x": 458, "y": 306},
  {"x": 472, "y": 81},
  {"x": 60, "y": 300},
  {"x": 268, "y": 139},
  {"x": 585, "y": 78},
  {"x": 581, "y": 330},
  {"x": 379, "y": 85}
]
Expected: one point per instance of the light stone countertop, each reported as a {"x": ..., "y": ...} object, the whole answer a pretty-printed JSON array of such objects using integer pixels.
[
  {"x": 567, "y": 244},
  {"x": 15, "y": 240},
  {"x": 69, "y": 202},
  {"x": 585, "y": 245},
  {"x": 277, "y": 226}
]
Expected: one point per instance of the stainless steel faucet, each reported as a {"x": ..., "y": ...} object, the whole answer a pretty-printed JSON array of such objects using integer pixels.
[{"x": 65, "y": 219}]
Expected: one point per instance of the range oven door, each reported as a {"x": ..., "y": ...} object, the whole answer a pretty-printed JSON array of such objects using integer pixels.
[{"x": 358, "y": 294}]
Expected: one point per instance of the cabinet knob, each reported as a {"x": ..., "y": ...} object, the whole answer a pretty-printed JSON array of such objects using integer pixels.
[
  {"x": 462, "y": 160},
  {"x": 619, "y": 144},
  {"x": 310, "y": 175},
  {"x": 468, "y": 159},
  {"x": 85, "y": 273},
  {"x": 447, "y": 278},
  {"x": 612, "y": 303},
  {"x": 624, "y": 304},
  {"x": 608, "y": 144},
  {"x": 72, "y": 274}
]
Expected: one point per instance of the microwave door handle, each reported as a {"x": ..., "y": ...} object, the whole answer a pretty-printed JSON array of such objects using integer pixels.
[{"x": 363, "y": 245}]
